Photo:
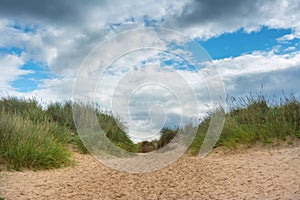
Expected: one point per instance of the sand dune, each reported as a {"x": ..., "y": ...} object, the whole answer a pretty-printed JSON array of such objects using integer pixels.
[{"x": 256, "y": 173}]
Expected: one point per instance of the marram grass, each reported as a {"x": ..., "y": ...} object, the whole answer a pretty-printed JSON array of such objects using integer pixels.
[
  {"x": 255, "y": 119},
  {"x": 25, "y": 144},
  {"x": 36, "y": 138}
]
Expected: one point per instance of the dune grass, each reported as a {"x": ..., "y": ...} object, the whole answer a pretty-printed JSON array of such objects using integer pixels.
[
  {"x": 114, "y": 129},
  {"x": 36, "y": 138},
  {"x": 34, "y": 146},
  {"x": 62, "y": 114},
  {"x": 28, "y": 139},
  {"x": 255, "y": 119}
]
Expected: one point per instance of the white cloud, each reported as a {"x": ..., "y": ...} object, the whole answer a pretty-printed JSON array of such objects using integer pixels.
[
  {"x": 289, "y": 37},
  {"x": 286, "y": 37},
  {"x": 249, "y": 72},
  {"x": 11, "y": 37},
  {"x": 290, "y": 49},
  {"x": 10, "y": 67},
  {"x": 51, "y": 90},
  {"x": 256, "y": 62},
  {"x": 30, "y": 42}
]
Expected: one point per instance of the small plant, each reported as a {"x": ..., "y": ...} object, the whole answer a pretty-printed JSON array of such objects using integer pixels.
[
  {"x": 269, "y": 141},
  {"x": 62, "y": 114},
  {"x": 298, "y": 134},
  {"x": 167, "y": 135}
]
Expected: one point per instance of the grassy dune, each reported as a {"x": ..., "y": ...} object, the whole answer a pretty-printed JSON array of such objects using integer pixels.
[
  {"x": 35, "y": 138},
  {"x": 250, "y": 120},
  {"x": 255, "y": 119}
]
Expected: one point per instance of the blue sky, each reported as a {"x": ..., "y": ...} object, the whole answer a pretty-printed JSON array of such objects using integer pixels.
[
  {"x": 238, "y": 43},
  {"x": 224, "y": 46},
  {"x": 251, "y": 44}
]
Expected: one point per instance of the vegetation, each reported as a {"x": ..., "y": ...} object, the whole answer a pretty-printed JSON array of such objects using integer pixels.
[
  {"x": 29, "y": 139},
  {"x": 167, "y": 134},
  {"x": 37, "y": 138},
  {"x": 255, "y": 119},
  {"x": 114, "y": 131},
  {"x": 147, "y": 146}
]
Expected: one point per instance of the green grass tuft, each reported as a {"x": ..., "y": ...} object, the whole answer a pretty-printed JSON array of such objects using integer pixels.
[{"x": 31, "y": 145}]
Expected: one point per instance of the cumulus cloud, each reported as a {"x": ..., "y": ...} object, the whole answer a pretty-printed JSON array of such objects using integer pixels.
[
  {"x": 249, "y": 72},
  {"x": 10, "y": 36},
  {"x": 257, "y": 62},
  {"x": 10, "y": 67},
  {"x": 65, "y": 32},
  {"x": 289, "y": 37},
  {"x": 52, "y": 90},
  {"x": 209, "y": 18},
  {"x": 68, "y": 31}
]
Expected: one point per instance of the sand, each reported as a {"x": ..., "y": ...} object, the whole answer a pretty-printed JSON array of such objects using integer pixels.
[{"x": 256, "y": 173}]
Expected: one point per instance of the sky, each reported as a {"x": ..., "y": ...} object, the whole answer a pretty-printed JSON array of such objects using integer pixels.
[{"x": 254, "y": 46}]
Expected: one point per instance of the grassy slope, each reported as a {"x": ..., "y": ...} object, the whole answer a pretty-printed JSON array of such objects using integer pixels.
[
  {"x": 29, "y": 139},
  {"x": 34, "y": 138},
  {"x": 254, "y": 119}
]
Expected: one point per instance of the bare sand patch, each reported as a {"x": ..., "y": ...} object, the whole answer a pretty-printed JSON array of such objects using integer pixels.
[{"x": 256, "y": 173}]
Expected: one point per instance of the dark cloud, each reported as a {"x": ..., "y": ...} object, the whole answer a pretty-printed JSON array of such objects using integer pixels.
[
  {"x": 203, "y": 11},
  {"x": 270, "y": 83},
  {"x": 209, "y": 18},
  {"x": 70, "y": 28},
  {"x": 55, "y": 11}
]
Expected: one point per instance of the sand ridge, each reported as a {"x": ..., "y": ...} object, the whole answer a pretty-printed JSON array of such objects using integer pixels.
[{"x": 254, "y": 173}]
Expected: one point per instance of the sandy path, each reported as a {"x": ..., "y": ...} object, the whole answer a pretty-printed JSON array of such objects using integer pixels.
[{"x": 252, "y": 174}]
